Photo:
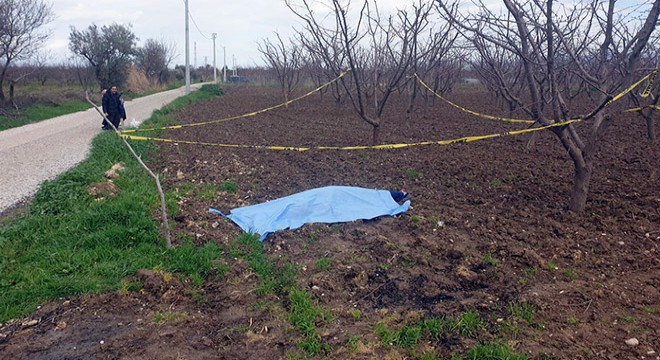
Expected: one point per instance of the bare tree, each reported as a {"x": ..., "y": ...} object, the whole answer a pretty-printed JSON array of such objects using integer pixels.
[
  {"x": 286, "y": 60},
  {"x": 321, "y": 70},
  {"x": 20, "y": 36},
  {"x": 647, "y": 102},
  {"x": 154, "y": 59},
  {"x": 84, "y": 75},
  {"x": 376, "y": 48},
  {"x": 501, "y": 72},
  {"x": 434, "y": 57},
  {"x": 21, "y": 73},
  {"x": 41, "y": 67},
  {"x": 586, "y": 39}
]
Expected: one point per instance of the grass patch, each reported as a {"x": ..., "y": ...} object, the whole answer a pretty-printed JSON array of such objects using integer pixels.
[
  {"x": 206, "y": 192},
  {"x": 628, "y": 319},
  {"x": 275, "y": 281},
  {"x": 229, "y": 186},
  {"x": 466, "y": 324},
  {"x": 510, "y": 328},
  {"x": 352, "y": 343},
  {"x": 407, "y": 336},
  {"x": 428, "y": 356},
  {"x": 411, "y": 173},
  {"x": 490, "y": 260},
  {"x": 69, "y": 244},
  {"x": 356, "y": 314},
  {"x": 525, "y": 312},
  {"x": 435, "y": 330},
  {"x": 497, "y": 183},
  {"x": 126, "y": 287},
  {"x": 572, "y": 320},
  {"x": 323, "y": 264},
  {"x": 652, "y": 309},
  {"x": 493, "y": 351},
  {"x": 470, "y": 323},
  {"x": 279, "y": 279},
  {"x": 160, "y": 318},
  {"x": 570, "y": 274},
  {"x": 42, "y": 111},
  {"x": 530, "y": 272},
  {"x": 303, "y": 315},
  {"x": 312, "y": 238}
]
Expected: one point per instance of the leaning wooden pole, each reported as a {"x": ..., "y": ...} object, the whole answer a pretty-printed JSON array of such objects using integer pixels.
[{"x": 163, "y": 206}]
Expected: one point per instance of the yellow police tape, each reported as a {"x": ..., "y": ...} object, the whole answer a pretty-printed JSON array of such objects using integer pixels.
[
  {"x": 644, "y": 93},
  {"x": 243, "y": 115},
  {"x": 647, "y": 91},
  {"x": 466, "y": 139},
  {"x": 656, "y": 107},
  {"x": 470, "y": 111},
  {"x": 630, "y": 88}
]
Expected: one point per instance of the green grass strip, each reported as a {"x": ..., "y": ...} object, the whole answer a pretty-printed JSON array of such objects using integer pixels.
[
  {"x": 70, "y": 244},
  {"x": 40, "y": 112}
]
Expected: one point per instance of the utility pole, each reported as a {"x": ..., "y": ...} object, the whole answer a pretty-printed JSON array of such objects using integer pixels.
[
  {"x": 224, "y": 68},
  {"x": 195, "y": 55},
  {"x": 187, "y": 53},
  {"x": 234, "y": 63},
  {"x": 215, "y": 76}
]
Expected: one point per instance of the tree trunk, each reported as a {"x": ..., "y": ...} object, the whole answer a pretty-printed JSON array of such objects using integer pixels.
[
  {"x": 2, "y": 93},
  {"x": 12, "y": 86},
  {"x": 411, "y": 104},
  {"x": 285, "y": 95},
  {"x": 376, "y": 133},
  {"x": 581, "y": 181},
  {"x": 583, "y": 167}
]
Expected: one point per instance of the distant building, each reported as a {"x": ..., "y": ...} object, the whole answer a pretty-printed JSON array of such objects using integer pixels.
[{"x": 237, "y": 79}]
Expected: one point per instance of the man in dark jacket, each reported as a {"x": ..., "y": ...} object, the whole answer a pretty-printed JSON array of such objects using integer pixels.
[{"x": 113, "y": 108}]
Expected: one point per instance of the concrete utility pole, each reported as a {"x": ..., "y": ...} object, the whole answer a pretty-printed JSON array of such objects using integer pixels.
[
  {"x": 215, "y": 75},
  {"x": 224, "y": 68},
  {"x": 187, "y": 53}
]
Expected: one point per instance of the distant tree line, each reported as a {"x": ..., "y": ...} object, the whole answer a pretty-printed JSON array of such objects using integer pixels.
[{"x": 103, "y": 55}]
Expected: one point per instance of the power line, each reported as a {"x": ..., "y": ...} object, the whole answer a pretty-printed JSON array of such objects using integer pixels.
[{"x": 197, "y": 27}]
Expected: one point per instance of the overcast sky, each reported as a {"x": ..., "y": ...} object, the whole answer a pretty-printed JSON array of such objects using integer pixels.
[{"x": 240, "y": 24}]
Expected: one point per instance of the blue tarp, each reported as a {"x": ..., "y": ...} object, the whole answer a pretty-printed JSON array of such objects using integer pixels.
[{"x": 330, "y": 204}]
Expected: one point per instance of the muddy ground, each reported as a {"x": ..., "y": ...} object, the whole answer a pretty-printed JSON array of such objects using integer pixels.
[{"x": 488, "y": 231}]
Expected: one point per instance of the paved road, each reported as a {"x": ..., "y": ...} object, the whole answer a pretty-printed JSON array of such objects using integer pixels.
[{"x": 36, "y": 152}]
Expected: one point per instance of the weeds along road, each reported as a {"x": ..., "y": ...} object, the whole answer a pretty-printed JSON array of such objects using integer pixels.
[{"x": 36, "y": 152}]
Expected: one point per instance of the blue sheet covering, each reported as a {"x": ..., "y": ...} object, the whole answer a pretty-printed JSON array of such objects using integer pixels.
[{"x": 330, "y": 204}]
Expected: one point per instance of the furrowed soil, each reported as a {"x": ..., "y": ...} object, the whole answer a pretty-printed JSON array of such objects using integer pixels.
[{"x": 488, "y": 233}]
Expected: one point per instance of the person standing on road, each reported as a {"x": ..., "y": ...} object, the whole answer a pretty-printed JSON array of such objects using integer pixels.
[
  {"x": 113, "y": 108},
  {"x": 104, "y": 124}
]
